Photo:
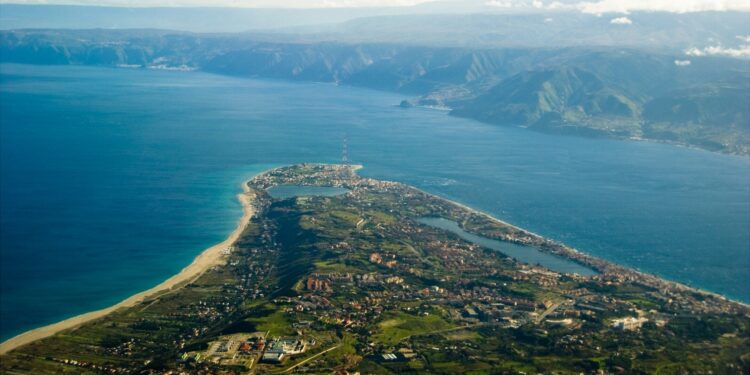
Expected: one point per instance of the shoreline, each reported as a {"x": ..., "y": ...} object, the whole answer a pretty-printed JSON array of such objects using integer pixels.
[
  {"x": 208, "y": 258},
  {"x": 213, "y": 256},
  {"x": 658, "y": 278}
]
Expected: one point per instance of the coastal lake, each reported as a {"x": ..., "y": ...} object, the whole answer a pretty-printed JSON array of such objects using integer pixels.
[
  {"x": 111, "y": 180},
  {"x": 289, "y": 191},
  {"x": 524, "y": 254}
]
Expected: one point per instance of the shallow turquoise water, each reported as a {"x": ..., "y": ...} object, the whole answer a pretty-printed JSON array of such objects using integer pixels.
[{"x": 112, "y": 180}]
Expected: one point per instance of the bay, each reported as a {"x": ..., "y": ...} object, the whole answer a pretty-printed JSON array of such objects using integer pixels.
[{"x": 114, "y": 179}]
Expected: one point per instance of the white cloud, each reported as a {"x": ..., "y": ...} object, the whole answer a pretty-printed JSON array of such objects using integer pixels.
[
  {"x": 744, "y": 38},
  {"x": 674, "y": 6},
  {"x": 600, "y": 7},
  {"x": 587, "y": 6},
  {"x": 740, "y": 51},
  {"x": 682, "y": 62},
  {"x": 501, "y": 4},
  {"x": 557, "y": 5},
  {"x": 621, "y": 21}
]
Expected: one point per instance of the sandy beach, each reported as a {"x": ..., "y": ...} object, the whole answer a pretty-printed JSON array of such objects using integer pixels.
[
  {"x": 212, "y": 256},
  {"x": 208, "y": 258}
]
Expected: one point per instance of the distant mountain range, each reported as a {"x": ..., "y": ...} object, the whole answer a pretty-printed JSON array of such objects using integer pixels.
[
  {"x": 625, "y": 92},
  {"x": 445, "y": 23}
]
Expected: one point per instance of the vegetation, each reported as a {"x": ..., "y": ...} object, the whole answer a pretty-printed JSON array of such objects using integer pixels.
[
  {"x": 370, "y": 289},
  {"x": 601, "y": 92}
]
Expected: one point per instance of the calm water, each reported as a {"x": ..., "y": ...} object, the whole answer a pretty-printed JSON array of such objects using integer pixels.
[
  {"x": 525, "y": 254},
  {"x": 111, "y": 180},
  {"x": 288, "y": 191}
]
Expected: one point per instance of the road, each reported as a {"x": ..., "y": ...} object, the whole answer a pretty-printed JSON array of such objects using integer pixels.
[
  {"x": 547, "y": 312},
  {"x": 308, "y": 359}
]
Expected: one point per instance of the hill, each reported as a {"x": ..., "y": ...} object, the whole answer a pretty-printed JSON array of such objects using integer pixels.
[
  {"x": 600, "y": 91},
  {"x": 715, "y": 117},
  {"x": 577, "y": 101},
  {"x": 552, "y": 99}
]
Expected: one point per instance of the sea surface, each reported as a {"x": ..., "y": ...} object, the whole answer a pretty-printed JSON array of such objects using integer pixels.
[{"x": 111, "y": 180}]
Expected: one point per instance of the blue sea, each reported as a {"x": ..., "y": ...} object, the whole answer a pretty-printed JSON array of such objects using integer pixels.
[{"x": 114, "y": 179}]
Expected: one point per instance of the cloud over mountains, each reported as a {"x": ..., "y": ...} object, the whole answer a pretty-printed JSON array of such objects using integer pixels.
[
  {"x": 740, "y": 51},
  {"x": 681, "y": 6},
  {"x": 585, "y": 6},
  {"x": 621, "y": 21}
]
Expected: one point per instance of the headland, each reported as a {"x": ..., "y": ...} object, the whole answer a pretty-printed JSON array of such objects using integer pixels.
[{"x": 356, "y": 282}]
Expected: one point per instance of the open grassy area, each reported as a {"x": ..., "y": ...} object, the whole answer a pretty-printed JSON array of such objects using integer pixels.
[{"x": 399, "y": 326}]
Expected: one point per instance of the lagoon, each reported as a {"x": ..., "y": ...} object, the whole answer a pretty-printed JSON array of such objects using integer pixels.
[
  {"x": 524, "y": 254},
  {"x": 111, "y": 180}
]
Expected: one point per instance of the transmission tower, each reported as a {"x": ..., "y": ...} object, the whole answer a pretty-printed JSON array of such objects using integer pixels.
[{"x": 345, "y": 151}]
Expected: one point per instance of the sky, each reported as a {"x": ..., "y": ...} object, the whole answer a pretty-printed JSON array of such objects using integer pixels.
[
  {"x": 231, "y": 3},
  {"x": 585, "y": 6}
]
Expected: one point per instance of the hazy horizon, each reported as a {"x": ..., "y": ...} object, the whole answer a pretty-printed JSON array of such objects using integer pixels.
[
  {"x": 548, "y": 186},
  {"x": 586, "y": 6}
]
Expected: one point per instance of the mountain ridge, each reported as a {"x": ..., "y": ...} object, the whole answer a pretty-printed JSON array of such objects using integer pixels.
[{"x": 611, "y": 92}]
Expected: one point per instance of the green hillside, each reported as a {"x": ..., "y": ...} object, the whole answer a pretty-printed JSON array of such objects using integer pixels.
[
  {"x": 593, "y": 91},
  {"x": 565, "y": 97},
  {"x": 713, "y": 117}
]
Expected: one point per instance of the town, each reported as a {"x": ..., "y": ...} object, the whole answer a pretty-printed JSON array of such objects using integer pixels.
[{"x": 355, "y": 283}]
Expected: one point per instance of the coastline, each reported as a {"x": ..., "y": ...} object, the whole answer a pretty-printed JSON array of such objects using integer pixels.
[
  {"x": 588, "y": 257},
  {"x": 208, "y": 258},
  {"x": 213, "y": 256}
]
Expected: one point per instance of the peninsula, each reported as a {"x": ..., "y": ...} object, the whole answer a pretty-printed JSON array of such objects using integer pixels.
[{"x": 375, "y": 276}]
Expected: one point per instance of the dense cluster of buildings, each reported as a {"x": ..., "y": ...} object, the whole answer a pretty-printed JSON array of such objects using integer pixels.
[
  {"x": 399, "y": 277},
  {"x": 280, "y": 348}
]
